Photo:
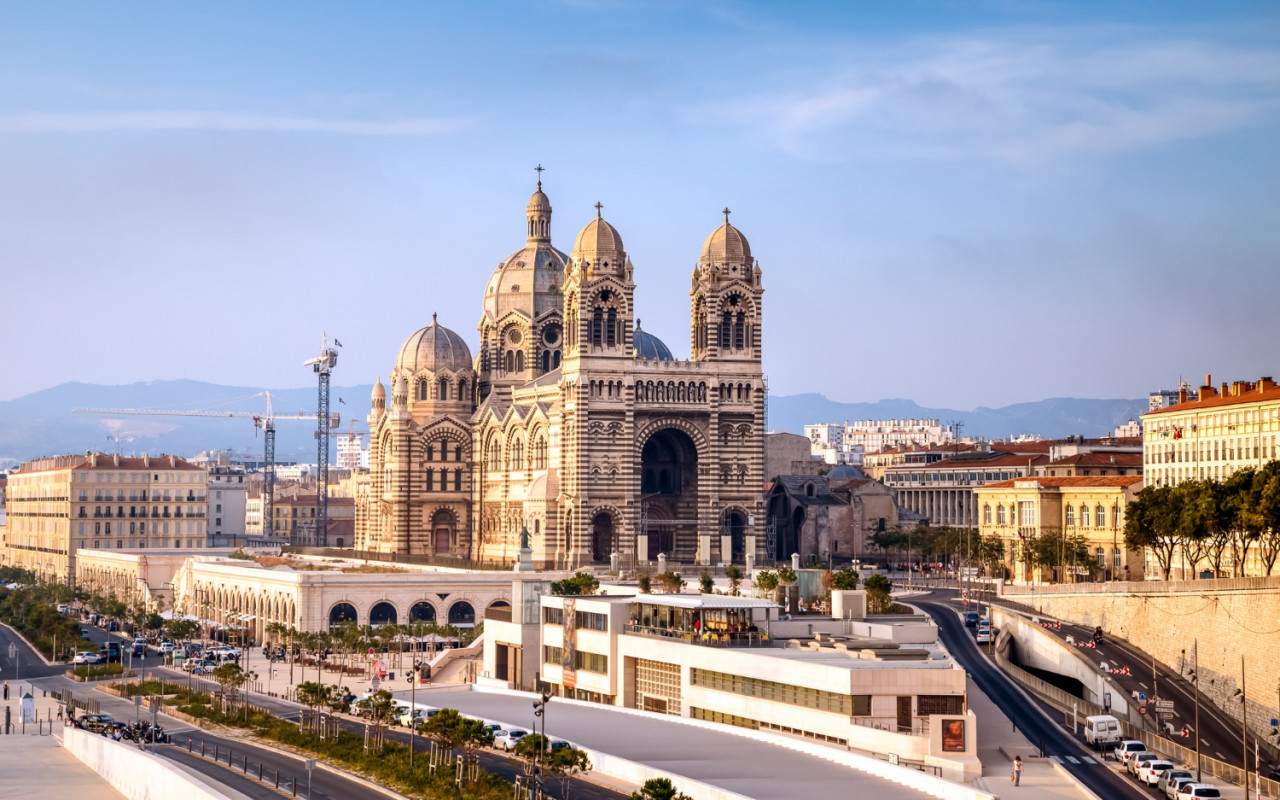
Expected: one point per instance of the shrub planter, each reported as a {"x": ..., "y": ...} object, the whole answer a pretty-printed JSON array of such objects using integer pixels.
[{"x": 90, "y": 678}]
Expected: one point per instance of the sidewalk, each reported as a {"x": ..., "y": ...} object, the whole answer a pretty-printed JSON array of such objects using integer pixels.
[
  {"x": 274, "y": 677},
  {"x": 33, "y": 764}
]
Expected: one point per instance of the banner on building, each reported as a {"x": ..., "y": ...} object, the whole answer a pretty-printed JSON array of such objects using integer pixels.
[{"x": 569, "y": 652}]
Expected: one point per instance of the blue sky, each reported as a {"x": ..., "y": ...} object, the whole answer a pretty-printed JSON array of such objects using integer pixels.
[{"x": 961, "y": 203}]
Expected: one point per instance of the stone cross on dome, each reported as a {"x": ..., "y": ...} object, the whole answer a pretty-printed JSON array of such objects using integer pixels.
[
  {"x": 726, "y": 215},
  {"x": 599, "y": 206},
  {"x": 539, "y": 169}
]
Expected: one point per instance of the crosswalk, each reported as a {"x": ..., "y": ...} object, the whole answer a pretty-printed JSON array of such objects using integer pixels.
[{"x": 1073, "y": 760}]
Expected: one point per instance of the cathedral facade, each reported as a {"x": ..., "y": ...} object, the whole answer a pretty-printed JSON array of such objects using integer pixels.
[{"x": 571, "y": 422}]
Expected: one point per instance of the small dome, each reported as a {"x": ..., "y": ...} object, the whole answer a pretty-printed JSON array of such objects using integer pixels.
[
  {"x": 726, "y": 245},
  {"x": 379, "y": 393},
  {"x": 539, "y": 202},
  {"x": 598, "y": 241},
  {"x": 650, "y": 347},
  {"x": 433, "y": 348}
]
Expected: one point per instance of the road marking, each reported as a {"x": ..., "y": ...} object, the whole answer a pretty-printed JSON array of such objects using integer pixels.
[
  {"x": 1056, "y": 759},
  {"x": 1073, "y": 759},
  {"x": 1089, "y": 760}
]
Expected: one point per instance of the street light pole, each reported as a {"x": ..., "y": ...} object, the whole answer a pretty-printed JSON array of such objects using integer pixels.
[{"x": 1196, "y": 684}]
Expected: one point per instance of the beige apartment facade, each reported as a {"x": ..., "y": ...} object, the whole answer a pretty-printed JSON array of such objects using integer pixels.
[
  {"x": 59, "y": 505},
  {"x": 1023, "y": 509}
]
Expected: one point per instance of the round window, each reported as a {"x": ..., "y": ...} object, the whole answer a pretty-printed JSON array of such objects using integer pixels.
[
  {"x": 551, "y": 335},
  {"x": 514, "y": 337}
]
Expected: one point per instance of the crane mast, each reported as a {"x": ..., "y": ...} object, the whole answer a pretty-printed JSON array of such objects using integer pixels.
[{"x": 322, "y": 365}]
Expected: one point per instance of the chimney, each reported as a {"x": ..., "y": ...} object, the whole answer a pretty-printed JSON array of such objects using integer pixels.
[
  {"x": 1265, "y": 383},
  {"x": 1182, "y": 393},
  {"x": 1208, "y": 379},
  {"x": 1226, "y": 389},
  {"x": 115, "y": 460}
]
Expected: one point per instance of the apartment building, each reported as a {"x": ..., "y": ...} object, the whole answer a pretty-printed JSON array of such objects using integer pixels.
[{"x": 61, "y": 504}]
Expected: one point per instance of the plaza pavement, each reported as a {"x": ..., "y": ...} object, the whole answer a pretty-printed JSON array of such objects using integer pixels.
[{"x": 37, "y": 766}]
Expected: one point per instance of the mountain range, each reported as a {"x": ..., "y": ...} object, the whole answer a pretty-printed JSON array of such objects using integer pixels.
[{"x": 42, "y": 423}]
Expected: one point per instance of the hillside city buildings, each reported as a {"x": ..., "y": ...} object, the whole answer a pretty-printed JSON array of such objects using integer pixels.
[{"x": 846, "y": 443}]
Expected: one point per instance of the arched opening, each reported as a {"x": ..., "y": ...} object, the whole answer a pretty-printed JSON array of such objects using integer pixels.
[
  {"x": 422, "y": 611},
  {"x": 462, "y": 614},
  {"x": 669, "y": 485},
  {"x": 342, "y": 612},
  {"x": 601, "y": 536},
  {"x": 443, "y": 523},
  {"x": 733, "y": 524},
  {"x": 383, "y": 614}
]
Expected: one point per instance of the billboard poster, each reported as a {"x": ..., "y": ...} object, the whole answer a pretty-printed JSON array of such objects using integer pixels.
[
  {"x": 953, "y": 736},
  {"x": 568, "y": 653}
]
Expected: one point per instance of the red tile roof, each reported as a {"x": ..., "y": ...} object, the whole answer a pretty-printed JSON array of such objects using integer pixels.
[
  {"x": 1096, "y": 459},
  {"x": 996, "y": 460},
  {"x": 1075, "y": 481},
  {"x": 1229, "y": 395}
]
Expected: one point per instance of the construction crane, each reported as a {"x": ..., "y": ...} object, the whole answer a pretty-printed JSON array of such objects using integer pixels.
[
  {"x": 322, "y": 365},
  {"x": 264, "y": 422}
]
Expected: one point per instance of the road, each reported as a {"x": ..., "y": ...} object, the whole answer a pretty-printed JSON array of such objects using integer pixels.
[
  {"x": 1071, "y": 753},
  {"x": 1219, "y": 735}
]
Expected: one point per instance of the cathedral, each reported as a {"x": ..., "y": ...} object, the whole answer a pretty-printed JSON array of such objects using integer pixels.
[{"x": 572, "y": 425}]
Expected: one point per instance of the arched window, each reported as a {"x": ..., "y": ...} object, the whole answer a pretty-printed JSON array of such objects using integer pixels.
[
  {"x": 462, "y": 390},
  {"x": 1101, "y": 519},
  {"x": 986, "y": 515},
  {"x": 510, "y": 361},
  {"x": 1084, "y": 516},
  {"x": 726, "y": 324},
  {"x": 422, "y": 389},
  {"x": 597, "y": 327},
  {"x": 1071, "y": 515},
  {"x": 739, "y": 323},
  {"x": 431, "y": 480},
  {"x": 555, "y": 359},
  {"x": 444, "y": 389},
  {"x": 999, "y": 515},
  {"x": 517, "y": 454},
  {"x": 457, "y": 480},
  {"x": 611, "y": 328},
  {"x": 546, "y": 360}
]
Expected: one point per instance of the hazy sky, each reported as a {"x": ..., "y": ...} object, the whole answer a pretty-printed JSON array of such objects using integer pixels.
[{"x": 963, "y": 203}]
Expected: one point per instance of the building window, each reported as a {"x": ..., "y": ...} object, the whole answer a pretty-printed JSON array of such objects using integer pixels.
[
  {"x": 1000, "y": 515},
  {"x": 1071, "y": 516},
  {"x": 986, "y": 515},
  {"x": 1101, "y": 517}
]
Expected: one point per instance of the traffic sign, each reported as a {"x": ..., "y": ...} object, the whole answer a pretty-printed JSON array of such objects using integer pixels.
[
  {"x": 1164, "y": 705},
  {"x": 375, "y": 683},
  {"x": 1142, "y": 709},
  {"x": 1142, "y": 697}
]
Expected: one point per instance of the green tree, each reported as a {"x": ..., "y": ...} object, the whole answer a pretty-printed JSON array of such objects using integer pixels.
[
  {"x": 231, "y": 678},
  {"x": 735, "y": 575},
  {"x": 1265, "y": 505},
  {"x": 645, "y": 583},
  {"x": 181, "y": 629},
  {"x": 706, "y": 584},
  {"x": 472, "y": 735},
  {"x": 672, "y": 582},
  {"x": 566, "y": 764},
  {"x": 766, "y": 582},
  {"x": 878, "y": 589},
  {"x": 844, "y": 580},
  {"x": 1151, "y": 524},
  {"x": 444, "y": 729},
  {"x": 659, "y": 789},
  {"x": 581, "y": 583}
]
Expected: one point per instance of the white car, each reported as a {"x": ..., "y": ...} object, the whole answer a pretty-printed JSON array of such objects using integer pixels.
[
  {"x": 166, "y": 648},
  {"x": 1137, "y": 761},
  {"x": 506, "y": 738},
  {"x": 1150, "y": 772},
  {"x": 1127, "y": 749},
  {"x": 1194, "y": 791},
  {"x": 983, "y": 636},
  {"x": 87, "y": 657}
]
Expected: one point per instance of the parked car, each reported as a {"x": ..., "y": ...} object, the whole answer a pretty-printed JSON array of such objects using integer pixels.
[
  {"x": 982, "y": 636},
  {"x": 1137, "y": 760},
  {"x": 1195, "y": 791},
  {"x": 1170, "y": 782},
  {"x": 97, "y": 723},
  {"x": 1127, "y": 749},
  {"x": 87, "y": 657},
  {"x": 971, "y": 619},
  {"x": 112, "y": 652},
  {"x": 1150, "y": 772},
  {"x": 506, "y": 739},
  {"x": 166, "y": 647}
]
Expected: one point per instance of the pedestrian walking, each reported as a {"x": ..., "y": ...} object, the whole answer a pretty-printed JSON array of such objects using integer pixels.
[{"x": 1016, "y": 777}]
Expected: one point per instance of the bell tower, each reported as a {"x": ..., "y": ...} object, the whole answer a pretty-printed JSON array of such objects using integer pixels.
[{"x": 726, "y": 314}]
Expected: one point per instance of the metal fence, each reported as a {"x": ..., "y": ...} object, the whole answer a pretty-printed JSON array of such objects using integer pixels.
[
  {"x": 1069, "y": 704},
  {"x": 1148, "y": 587}
]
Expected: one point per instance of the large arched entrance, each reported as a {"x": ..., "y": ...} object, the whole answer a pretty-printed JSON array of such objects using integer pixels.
[
  {"x": 601, "y": 536},
  {"x": 462, "y": 614},
  {"x": 733, "y": 523},
  {"x": 342, "y": 612},
  {"x": 669, "y": 489},
  {"x": 422, "y": 611}
]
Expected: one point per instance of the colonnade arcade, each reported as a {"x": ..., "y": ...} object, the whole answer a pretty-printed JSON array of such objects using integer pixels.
[{"x": 250, "y": 609}]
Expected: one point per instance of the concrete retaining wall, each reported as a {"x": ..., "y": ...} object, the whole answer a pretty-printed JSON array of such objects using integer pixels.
[
  {"x": 1042, "y": 650},
  {"x": 1228, "y": 626},
  {"x": 139, "y": 775}
]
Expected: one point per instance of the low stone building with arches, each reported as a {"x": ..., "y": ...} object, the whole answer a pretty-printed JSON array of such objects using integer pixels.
[
  {"x": 251, "y": 595},
  {"x": 581, "y": 427}
]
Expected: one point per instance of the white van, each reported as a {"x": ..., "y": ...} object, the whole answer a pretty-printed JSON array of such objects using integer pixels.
[{"x": 1101, "y": 731}]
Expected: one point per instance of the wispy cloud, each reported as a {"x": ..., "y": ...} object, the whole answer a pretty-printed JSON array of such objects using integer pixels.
[
  {"x": 1013, "y": 97},
  {"x": 101, "y": 122}
]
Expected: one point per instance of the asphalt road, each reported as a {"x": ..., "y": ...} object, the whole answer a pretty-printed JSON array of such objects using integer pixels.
[{"x": 1071, "y": 753}]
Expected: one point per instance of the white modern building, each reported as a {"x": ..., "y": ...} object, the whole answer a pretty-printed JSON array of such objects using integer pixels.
[
  {"x": 873, "y": 687},
  {"x": 847, "y": 443}
]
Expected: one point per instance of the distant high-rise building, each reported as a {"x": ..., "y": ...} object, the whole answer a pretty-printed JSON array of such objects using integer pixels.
[
  {"x": 846, "y": 443},
  {"x": 352, "y": 454}
]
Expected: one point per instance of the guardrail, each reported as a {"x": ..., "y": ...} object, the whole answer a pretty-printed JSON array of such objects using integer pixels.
[
  {"x": 1069, "y": 703},
  {"x": 1147, "y": 587}
]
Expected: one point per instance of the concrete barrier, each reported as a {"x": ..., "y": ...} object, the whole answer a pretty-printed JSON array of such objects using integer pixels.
[{"x": 139, "y": 775}]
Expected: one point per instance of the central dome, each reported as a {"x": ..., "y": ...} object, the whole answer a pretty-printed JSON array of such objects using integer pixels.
[
  {"x": 433, "y": 348},
  {"x": 650, "y": 347}
]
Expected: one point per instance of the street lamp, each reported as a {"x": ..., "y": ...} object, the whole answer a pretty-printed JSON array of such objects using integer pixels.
[{"x": 539, "y": 711}]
